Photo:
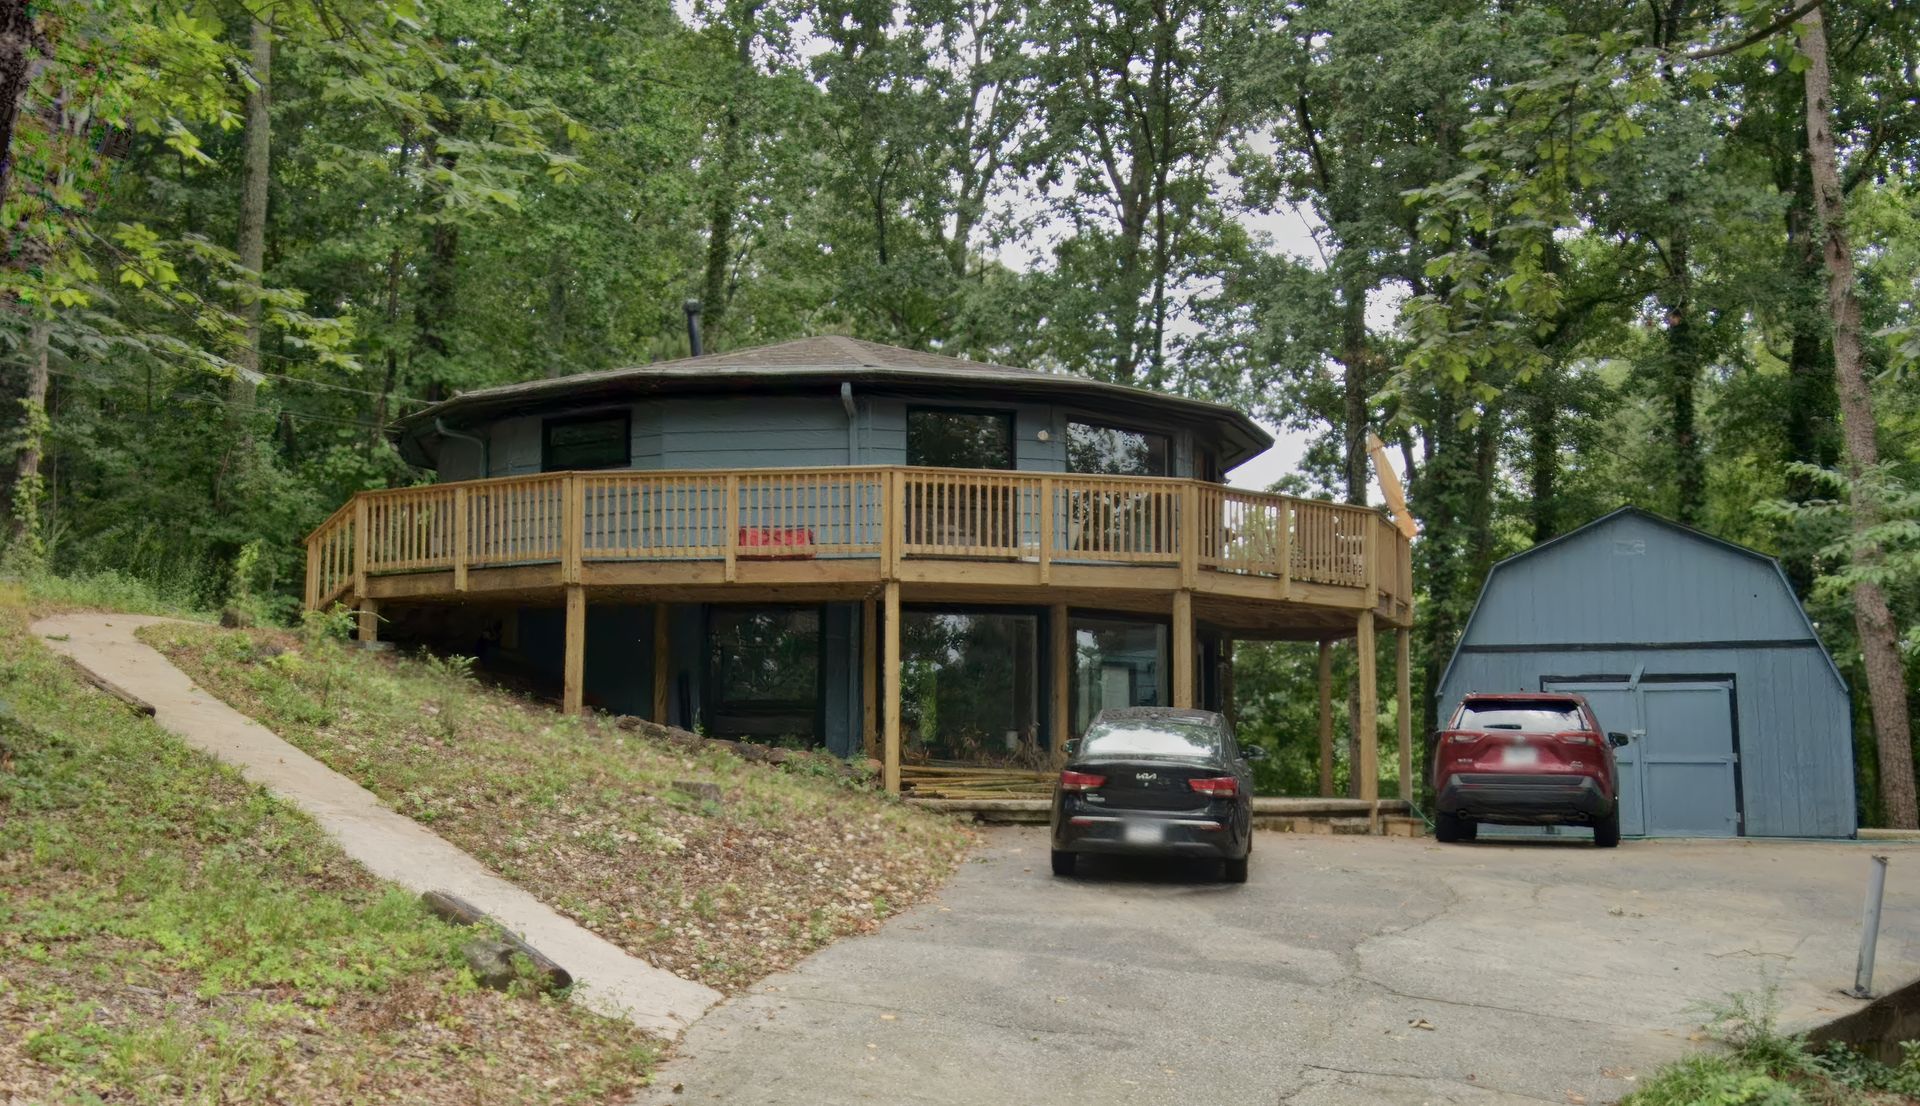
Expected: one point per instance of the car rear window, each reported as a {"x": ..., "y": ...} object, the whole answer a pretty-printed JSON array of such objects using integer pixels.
[
  {"x": 1155, "y": 738},
  {"x": 1524, "y": 715}
]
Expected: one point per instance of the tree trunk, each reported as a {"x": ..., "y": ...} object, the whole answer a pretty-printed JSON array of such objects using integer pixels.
[
  {"x": 1879, "y": 647},
  {"x": 1810, "y": 393},
  {"x": 1681, "y": 382},
  {"x": 434, "y": 307},
  {"x": 23, "y": 523},
  {"x": 20, "y": 44},
  {"x": 1543, "y": 455},
  {"x": 252, "y": 246},
  {"x": 1353, "y": 360}
]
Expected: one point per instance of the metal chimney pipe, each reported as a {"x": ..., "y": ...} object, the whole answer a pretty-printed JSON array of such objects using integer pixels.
[{"x": 692, "y": 308}]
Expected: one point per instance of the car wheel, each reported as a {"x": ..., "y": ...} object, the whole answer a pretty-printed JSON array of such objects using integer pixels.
[
  {"x": 1234, "y": 871},
  {"x": 1450, "y": 828},
  {"x": 1063, "y": 863},
  {"x": 1606, "y": 832}
]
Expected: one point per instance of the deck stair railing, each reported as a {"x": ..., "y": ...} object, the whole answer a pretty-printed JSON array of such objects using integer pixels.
[{"x": 878, "y": 512}]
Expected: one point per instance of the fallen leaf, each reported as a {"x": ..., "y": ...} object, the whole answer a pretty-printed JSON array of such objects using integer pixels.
[{"x": 1421, "y": 1023}]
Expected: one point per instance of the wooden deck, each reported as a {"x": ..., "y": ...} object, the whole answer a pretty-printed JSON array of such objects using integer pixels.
[
  {"x": 1243, "y": 564},
  {"x": 847, "y": 530}
]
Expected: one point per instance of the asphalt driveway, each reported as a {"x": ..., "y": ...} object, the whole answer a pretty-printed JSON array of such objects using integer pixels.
[{"x": 1347, "y": 970}]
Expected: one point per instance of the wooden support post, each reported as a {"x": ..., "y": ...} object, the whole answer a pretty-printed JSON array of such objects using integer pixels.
[
  {"x": 662, "y": 665},
  {"x": 1403, "y": 706},
  {"x": 1285, "y": 512},
  {"x": 573, "y": 690},
  {"x": 1183, "y": 648},
  {"x": 870, "y": 678},
  {"x": 733, "y": 527},
  {"x": 1189, "y": 533},
  {"x": 313, "y": 576},
  {"x": 1046, "y": 528},
  {"x": 369, "y": 620},
  {"x": 459, "y": 539},
  {"x": 360, "y": 538},
  {"x": 1326, "y": 719},
  {"x": 1369, "y": 713},
  {"x": 573, "y": 520},
  {"x": 890, "y": 689},
  {"x": 893, "y": 520},
  {"x": 1061, "y": 631}
]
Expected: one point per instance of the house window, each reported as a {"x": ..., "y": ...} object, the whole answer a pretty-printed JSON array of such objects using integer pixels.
[
  {"x": 590, "y": 442},
  {"x": 970, "y": 687},
  {"x": 1116, "y": 664},
  {"x": 940, "y": 437},
  {"x": 763, "y": 672},
  {"x": 1115, "y": 451}
]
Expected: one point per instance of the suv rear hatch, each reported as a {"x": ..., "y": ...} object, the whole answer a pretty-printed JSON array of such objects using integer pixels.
[{"x": 1521, "y": 735}]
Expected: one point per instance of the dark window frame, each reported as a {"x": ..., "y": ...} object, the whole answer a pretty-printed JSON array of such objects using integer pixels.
[
  {"x": 547, "y": 427},
  {"x": 713, "y": 703},
  {"x": 1170, "y": 437},
  {"x": 1043, "y": 627},
  {"x": 1129, "y": 618},
  {"x": 1009, "y": 415}
]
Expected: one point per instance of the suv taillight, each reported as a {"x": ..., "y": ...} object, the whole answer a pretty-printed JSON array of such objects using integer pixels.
[
  {"x": 1081, "y": 781},
  {"x": 1218, "y": 786}
]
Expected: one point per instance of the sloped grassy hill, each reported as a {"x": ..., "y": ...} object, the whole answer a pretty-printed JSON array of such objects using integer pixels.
[
  {"x": 583, "y": 813},
  {"x": 169, "y": 933}
]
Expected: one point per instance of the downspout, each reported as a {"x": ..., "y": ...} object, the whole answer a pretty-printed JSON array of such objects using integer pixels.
[
  {"x": 853, "y": 425},
  {"x": 486, "y": 451}
]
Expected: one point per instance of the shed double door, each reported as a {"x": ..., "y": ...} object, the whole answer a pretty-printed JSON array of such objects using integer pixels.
[{"x": 1679, "y": 772}]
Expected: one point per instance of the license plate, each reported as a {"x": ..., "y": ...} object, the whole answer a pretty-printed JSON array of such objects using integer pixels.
[
  {"x": 1520, "y": 755},
  {"x": 1145, "y": 833}
]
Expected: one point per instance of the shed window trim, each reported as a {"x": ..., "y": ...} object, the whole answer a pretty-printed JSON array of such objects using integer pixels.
[{"x": 613, "y": 450}]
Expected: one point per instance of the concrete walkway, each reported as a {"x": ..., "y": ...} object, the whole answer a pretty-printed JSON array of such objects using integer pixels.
[
  {"x": 1347, "y": 970},
  {"x": 388, "y": 844}
]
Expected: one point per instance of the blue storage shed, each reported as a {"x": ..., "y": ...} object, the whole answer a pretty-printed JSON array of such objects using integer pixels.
[{"x": 1697, "y": 647}]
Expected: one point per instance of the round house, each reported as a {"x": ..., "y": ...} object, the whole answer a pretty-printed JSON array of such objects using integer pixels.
[{"x": 937, "y": 562}]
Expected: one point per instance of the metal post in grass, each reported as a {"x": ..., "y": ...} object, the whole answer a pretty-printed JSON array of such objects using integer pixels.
[{"x": 1870, "y": 929}]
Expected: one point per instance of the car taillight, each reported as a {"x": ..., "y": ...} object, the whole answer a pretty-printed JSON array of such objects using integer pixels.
[
  {"x": 1218, "y": 786},
  {"x": 1080, "y": 781},
  {"x": 1580, "y": 739},
  {"x": 1462, "y": 738}
]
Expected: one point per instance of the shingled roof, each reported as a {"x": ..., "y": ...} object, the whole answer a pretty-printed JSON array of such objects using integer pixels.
[{"x": 805, "y": 364}]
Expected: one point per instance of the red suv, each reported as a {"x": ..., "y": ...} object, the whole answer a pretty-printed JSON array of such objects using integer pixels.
[{"x": 1525, "y": 760}]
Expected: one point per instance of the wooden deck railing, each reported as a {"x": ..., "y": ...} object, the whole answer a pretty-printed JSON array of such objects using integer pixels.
[{"x": 885, "y": 513}]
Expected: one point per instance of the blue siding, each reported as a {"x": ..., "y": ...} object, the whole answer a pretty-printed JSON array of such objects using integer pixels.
[
  {"x": 459, "y": 460},
  {"x": 1633, "y": 579},
  {"x": 787, "y": 432},
  {"x": 1694, "y": 607}
]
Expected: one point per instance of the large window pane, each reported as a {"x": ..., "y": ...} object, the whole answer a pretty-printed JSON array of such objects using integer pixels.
[
  {"x": 944, "y": 438},
  {"x": 594, "y": 442},
  {"x": 1114, "y": 451},
  {"x": 969, "y": 688},
  {"x": 763, "y": 672},
  {"x": 1117, "y": 664}
]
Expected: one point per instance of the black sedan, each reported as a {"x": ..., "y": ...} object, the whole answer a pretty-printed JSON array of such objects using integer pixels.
[{"x": 1152, "y": 781}]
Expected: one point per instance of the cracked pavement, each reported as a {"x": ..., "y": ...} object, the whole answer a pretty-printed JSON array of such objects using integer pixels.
[{"x": 1546, "y": 971}]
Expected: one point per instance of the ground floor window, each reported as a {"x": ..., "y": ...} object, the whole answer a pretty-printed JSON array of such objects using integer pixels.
[
  {"x": 970, "y": 687},
  {"x": 763, "y": 673},
  {"x": 1117, "y": 664}
]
